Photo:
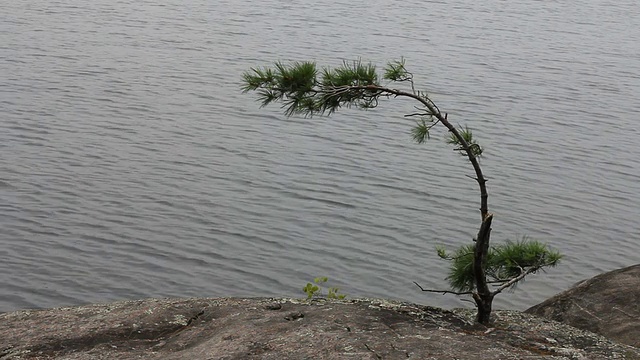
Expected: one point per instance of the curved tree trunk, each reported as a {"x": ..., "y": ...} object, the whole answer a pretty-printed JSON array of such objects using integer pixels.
[{"x": 483, "y": 296}]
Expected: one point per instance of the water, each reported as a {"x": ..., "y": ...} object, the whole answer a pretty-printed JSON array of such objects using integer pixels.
[{"x": 131, "y": 165}]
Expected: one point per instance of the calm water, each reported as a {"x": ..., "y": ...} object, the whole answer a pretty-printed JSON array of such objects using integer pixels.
[{"x": 131, "y": 165}]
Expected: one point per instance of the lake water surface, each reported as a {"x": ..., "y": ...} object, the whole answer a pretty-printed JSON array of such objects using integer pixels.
[{"x": 132, "y": 166}]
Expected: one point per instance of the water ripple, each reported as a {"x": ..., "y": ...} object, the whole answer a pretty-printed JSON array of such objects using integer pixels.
[{"x": 132, "y": 166}]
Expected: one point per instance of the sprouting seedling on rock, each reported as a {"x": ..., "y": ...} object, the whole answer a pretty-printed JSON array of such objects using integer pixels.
[{"x": 314, "y": 289}]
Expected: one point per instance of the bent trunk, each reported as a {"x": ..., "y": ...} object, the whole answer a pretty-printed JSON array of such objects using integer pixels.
[{"x": 483, "y": 297}]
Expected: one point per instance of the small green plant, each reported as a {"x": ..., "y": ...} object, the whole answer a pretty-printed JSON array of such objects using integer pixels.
[{"x": 315, "y": 290}]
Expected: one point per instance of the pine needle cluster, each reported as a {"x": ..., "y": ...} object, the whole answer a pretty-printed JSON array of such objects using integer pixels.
[
  {"x": 504, "y": 262},
  {"x": 303, "y": 90}
]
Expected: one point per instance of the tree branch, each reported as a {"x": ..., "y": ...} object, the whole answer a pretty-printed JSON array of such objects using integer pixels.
[
  {"x": 444, "y": 291},
  {"x": 431, "y": 106},
  {"x": 515, "y": 280},
  {"x": 418, "y": 114}
]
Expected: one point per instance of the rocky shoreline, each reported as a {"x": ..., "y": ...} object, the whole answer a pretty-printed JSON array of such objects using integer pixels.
[
  {"x": 607, "y": 304},
  {"x": 277, "y": 328}
]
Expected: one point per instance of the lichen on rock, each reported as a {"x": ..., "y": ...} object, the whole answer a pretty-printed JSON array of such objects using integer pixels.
[{"x": 272, "y": 328}]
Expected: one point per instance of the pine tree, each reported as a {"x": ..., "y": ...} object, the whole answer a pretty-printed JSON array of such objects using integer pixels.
[{"x": 477, "y": 269}]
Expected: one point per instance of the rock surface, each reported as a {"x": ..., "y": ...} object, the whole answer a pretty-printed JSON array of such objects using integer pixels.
[
  {"x": 268, "y": 328},
  {"x": 608, "y": 304}
]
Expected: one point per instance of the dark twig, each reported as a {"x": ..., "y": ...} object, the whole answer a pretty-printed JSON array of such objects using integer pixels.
[
  {"x": 444, "y": 291},
  {"x": 515, "y": 280},
  {"x": 418, "y": 114}
]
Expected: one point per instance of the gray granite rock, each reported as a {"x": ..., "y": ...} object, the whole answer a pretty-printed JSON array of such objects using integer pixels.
[
  {"x": 608, "y": 304},
  {"x": 268, "y": 328}
]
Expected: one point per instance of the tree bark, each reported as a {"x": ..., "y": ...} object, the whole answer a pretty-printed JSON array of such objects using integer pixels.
[
  {"x": 484, "y": 304},
  {"x": 483, "y": 296}
]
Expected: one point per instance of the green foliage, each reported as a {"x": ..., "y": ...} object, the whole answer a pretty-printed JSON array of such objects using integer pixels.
[
  {"x": 420, "y": 133},
  {"x": 467, "y": 135},
  {"x": 334, "y": 294},
  {"x": 396, "y": 71},
  {"x": 461, "y": 272},
  {"x": 314, "y": 290},
  {"x": 350, "y": 74},
  {"x": 310, "y": 290},
  {"x": 303, "y": 90},
  {"x": 503, "y": 263},
  {"x": 442, "y": 252},
  {"x": 293, "y": 85}
]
